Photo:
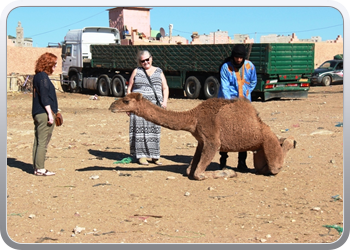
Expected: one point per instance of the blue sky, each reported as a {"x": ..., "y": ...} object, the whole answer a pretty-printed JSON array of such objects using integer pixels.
[{"x": 50, "y": 24}]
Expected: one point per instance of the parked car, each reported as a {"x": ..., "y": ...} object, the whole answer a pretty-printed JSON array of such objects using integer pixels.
[{"x": 329, "y": 72}]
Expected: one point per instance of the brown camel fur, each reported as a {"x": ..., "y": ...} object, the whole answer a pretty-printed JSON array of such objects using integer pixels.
[{"x": 218, "y": 125}]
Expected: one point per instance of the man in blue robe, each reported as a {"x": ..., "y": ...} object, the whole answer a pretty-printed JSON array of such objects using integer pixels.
[{"x": 238, "y": 79}]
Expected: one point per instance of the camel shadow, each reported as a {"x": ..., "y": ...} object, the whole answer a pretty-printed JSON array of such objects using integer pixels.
[
  {"x": 120, "y": 167},
  {"x": 25, "y": 167},
  {"x": 185, "y": 159},
  {"x": 213, "y": 166},
  {"x": 180, "y": 169}
]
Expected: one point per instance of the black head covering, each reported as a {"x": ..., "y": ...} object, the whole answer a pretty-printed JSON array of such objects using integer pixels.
[{"x": 238, "y": 51}]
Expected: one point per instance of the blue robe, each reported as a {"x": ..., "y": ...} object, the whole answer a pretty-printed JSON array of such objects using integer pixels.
[{"x": 237, "y": 83}]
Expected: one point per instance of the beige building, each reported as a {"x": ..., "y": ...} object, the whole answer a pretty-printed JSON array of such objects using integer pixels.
[
  {"x": 273, "y": 38},
  {"x": 19, "y": 40},
  {"x": 128, "y": 19},
  {"x": 217, "y": 37}
]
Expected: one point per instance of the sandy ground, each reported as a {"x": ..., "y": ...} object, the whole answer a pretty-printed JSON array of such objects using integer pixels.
[{"x": 94, "y": 200}]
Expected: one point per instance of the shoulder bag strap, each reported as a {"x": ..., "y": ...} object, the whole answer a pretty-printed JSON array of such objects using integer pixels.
[{"x": 150, "y": 82}]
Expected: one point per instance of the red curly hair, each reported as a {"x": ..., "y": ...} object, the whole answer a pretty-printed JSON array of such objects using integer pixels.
[{"x": 45, "y": 63}]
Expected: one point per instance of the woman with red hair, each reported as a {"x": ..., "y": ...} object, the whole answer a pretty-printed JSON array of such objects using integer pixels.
[{"x": 43, "y": 110}]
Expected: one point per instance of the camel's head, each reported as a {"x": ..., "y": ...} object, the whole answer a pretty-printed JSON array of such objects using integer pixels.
[
  {"x": 129, "y": 103},
  {"x": 260, "y": 162}
]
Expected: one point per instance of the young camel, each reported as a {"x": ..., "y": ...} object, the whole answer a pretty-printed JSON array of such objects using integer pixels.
[{"x": 218, "y": 125}]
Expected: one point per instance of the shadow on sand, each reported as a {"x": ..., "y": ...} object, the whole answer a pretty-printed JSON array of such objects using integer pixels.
[
  {"x": 180, "y": 169},
  {"x": 25, "y": 167}
]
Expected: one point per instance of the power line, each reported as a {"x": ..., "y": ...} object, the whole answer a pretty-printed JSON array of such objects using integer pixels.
[
  {"x": 67, "y": 25},
  {"x": 182, "y": 31}
]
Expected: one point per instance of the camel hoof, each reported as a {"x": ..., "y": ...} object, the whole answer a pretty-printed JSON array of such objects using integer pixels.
[
  {"x": 188, "y": 170},
  {"x": 200, "y": 177}
]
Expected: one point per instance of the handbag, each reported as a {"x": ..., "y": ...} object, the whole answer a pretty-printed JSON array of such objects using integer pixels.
[
  {"x": 59, "y": 119},
  {"x": 150, "y": 82}
]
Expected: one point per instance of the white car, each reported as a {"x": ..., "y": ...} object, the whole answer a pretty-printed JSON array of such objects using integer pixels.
[{"x": 329, "y": 72}]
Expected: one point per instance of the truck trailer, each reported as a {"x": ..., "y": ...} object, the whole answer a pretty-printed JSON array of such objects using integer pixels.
[{"x": 283, "y": 69}]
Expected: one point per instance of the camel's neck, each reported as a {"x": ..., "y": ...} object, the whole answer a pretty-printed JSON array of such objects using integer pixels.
[{"x": 169, "y": 119}]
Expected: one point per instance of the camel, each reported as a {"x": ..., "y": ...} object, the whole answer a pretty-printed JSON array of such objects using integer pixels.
[{"x": 218, "y": 125}]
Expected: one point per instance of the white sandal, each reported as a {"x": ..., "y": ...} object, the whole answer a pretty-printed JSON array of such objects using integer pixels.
[{"x": 45, "y": 173}]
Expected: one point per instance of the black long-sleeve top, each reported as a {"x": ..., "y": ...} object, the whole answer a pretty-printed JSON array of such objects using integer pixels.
[{"x": 43, "y": 94}]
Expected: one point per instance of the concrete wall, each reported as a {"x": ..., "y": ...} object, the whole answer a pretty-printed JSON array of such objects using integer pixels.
[
  {"x": 21, "y": 64},
  {"x": 22, "y": 59},
  {"x": 326, "y": 51}
]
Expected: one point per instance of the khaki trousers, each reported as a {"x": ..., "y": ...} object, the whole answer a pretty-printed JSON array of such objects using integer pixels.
[{"x": 43, "y": 132}]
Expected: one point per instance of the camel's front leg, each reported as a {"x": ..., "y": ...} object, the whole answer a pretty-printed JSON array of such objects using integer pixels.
[
  {"x": 194, "y": 162},
  {"x": 207, "y": 155}
]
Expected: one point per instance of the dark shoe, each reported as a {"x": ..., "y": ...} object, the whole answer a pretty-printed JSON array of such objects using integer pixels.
[{"x": 242, "y": 167}]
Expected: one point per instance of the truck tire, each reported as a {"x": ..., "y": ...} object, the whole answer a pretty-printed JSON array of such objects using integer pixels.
[
  {"x": 326, "y": 81},
  {"x": 73, "y": 85},
  {"x": 65, "y": 88},
  {"x": 211, "y": 87},
  {"x": 118, "y": 86},
  {"x": 192, "y": 87},
  {"x": 103, "y": 85}
]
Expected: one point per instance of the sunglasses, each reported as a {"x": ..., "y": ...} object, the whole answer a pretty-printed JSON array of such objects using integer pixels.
[{"x": 146, "y": 60}]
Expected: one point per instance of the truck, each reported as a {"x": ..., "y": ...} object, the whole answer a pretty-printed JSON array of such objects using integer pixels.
[
  {"x": 77, "y": 73},
  {"x": 283, "y": 70}
]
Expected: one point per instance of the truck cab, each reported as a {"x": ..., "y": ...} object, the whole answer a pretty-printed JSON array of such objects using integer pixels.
[{"x": 76, "y": 55}]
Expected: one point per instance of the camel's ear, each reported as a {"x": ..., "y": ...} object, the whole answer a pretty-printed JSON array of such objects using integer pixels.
[{"x": 138, "y": 96}]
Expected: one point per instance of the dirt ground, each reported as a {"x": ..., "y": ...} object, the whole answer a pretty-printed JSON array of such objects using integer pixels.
[{"x": 107, "y": 202}]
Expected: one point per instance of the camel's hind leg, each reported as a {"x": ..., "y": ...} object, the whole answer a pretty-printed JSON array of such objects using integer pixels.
[{"x": 206, "y": 158}]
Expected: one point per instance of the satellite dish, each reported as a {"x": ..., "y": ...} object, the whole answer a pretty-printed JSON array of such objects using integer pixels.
[{"x": 162, "y": 32}]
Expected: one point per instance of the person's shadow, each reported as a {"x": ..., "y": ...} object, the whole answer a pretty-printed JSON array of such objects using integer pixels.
[{"x": 25, "y": 167}]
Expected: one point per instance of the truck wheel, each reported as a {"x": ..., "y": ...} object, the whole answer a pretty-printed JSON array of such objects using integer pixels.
[
  {"x": 326, "y": 81},
  {"x": 73, "y": 85},
  {"x": 192, "y": 87},
  {"x": 103, "y": 85},
  {"x": 65, "y": 88},
  {"x": 211, "y": 87},
  {"x": 117, "y": 86}
]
